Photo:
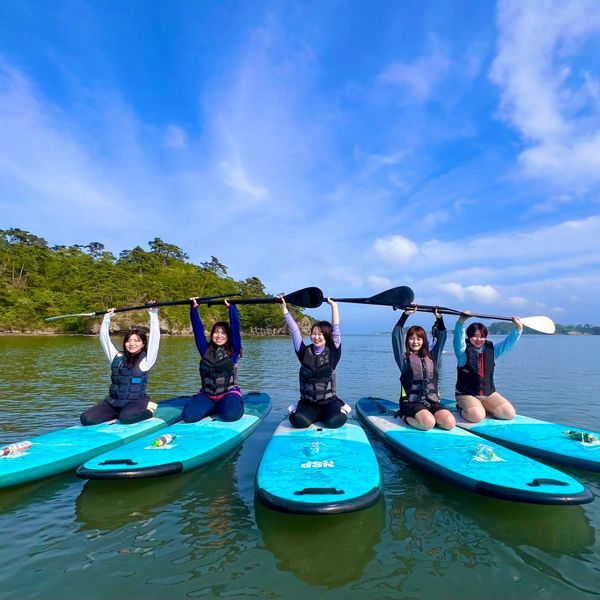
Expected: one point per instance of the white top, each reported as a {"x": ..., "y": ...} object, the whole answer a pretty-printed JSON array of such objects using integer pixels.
[{"x": 151, "y": 349}]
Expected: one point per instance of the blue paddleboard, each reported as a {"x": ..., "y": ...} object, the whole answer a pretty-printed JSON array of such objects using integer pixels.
[
  {"x": 66, "y": 449},
  {"x": 541, "y": 439},
  {"x": 318, "y": 470},
  {"x": 467, "y": 461},
  {"x": 193, "y": 445}
]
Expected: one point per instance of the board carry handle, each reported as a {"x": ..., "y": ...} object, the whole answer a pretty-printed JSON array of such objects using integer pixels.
[
  {"x": 544, "y": 481},
  {"x": 318, "y": 491},
  {"x": 119, "y": 461}
]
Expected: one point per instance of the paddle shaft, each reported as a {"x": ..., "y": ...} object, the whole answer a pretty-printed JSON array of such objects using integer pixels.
[
  {"x": 97, "y": 313},
  {"x": 453, "y": 311}
]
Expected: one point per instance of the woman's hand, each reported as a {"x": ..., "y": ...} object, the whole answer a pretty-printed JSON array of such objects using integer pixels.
[
  {"x": 464, "y": 315},
  {"x": 194, "y": 301},
  {"x": 226, "y": 303},
  {"x": 411, "y": 309},
  {"x": 284, "y": 308},
  {"x": 437, "y": 313},
  {"x": 517, "y": 323}
]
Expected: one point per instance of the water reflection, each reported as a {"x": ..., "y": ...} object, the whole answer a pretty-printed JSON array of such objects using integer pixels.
[{"x": 323, "y": 550}]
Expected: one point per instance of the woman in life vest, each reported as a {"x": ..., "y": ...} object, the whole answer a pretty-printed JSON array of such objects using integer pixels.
[
  {"x": 127, "y": 400},
  {"x": 420, "y": 405},
  {"x": 476, "y": 395},
  {"x": 318, "y": 361},
  {"x": 219, "y": 394}
]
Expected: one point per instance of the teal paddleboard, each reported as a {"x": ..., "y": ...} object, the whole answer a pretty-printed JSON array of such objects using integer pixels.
[
  {"x": 571, "y": 446},
  {"x": 192, "y": 445},
  {"x": 465, "y": 460},
  {"x": 66, "y": 449},
  {"x": 318, "y": 470}
]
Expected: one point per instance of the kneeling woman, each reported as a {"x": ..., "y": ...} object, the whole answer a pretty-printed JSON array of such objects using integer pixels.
[
  {"x": 318, "y": 399},
  {"x": 420, "y": 405},
  {"x": 220, "y": 394},
  {"x": 476, "y": 395},
  {"x": 127, "y": 398}
]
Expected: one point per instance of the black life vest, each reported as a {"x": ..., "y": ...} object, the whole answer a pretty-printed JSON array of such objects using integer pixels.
[
  {"x": 217, "y": 371},
  {"x": 128, "y": 383},
  {"x": 418, "y": 379},
  {"x": 317, "y": 377},
  {"x": 471, "y": 380}
]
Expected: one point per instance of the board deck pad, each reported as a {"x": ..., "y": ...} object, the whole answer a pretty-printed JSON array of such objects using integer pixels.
[
  {"x": 318, "y": 470},
  {"x": 193, "y": 445},
  {"x": 67, "y": 448},
  {"x": 537, "y": 438},
  {"x": 465, "y": 460}
]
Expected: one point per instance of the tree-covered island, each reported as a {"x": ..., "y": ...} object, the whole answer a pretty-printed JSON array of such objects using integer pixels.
[{"x": 39, "y": 281}]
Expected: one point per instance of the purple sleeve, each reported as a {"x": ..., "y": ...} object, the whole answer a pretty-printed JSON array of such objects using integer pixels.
[
  {"x": 198, "y": 329},
  {"x": 294, "y": 331},
  {"x": 336, "y": 334},
  {"x": 236, "y": 337}
]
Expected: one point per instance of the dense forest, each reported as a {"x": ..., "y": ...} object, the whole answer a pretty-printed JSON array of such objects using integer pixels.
[{"x": 38, "y": 281}]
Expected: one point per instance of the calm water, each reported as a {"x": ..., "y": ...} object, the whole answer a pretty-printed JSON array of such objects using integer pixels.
[{"x": 201, "y": 535}]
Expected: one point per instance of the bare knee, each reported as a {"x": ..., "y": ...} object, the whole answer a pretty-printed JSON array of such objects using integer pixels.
[
  {"x": 445, "y": 420},
  {"x": 504, "y": 411},
  {"x": 473, "y": 414}
]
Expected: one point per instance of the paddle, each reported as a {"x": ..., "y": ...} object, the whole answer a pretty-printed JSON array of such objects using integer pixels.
[
  {"x": 147, "y": 305},
  {"x": 541, "y": 323},
  {"x": 309, "y": 297},
  {"x": 398, "y": 297}
]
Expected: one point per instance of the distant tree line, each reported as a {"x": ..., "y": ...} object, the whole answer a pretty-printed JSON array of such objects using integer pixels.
[
  {"x": 504, "y": 327},
  {"x": 38, "y": 281}
]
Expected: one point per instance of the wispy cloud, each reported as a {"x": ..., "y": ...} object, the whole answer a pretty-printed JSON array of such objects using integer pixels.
[{"x": 547, "y": 92}]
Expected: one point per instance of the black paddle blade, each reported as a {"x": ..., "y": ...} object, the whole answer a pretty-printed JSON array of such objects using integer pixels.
[
  {"x": 398, "y": 297},
  {"x": 310, "y": 297}
]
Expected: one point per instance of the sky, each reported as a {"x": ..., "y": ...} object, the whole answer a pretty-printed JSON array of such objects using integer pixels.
[{"x": 453, "y": 147}]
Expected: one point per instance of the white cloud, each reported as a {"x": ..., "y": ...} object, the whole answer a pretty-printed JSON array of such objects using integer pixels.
[
  {"x": 545, "y": 94},
  {"x": 378, "y": 282},
  {"x": 422, "y": 76},
  {"x": 396, "y": 249},
  {"x": 235, "y": 177}
]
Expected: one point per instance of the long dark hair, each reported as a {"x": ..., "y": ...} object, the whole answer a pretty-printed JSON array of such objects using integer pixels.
[
  {"x": 131, "y": 358},
  {"x": 419, "y": 332},
  {"x": 224, "y": 325},
  {"x": 327, "y": 331}
]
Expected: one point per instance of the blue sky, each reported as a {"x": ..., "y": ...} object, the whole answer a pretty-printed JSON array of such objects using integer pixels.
[{"x": 450, "y": 146}]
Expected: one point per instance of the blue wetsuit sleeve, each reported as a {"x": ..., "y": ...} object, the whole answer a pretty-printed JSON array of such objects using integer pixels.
[
  {"x": 507, "y": 343},
  {"x": 236, "y": 337},
  {"x": 460, "y": 345},
  {"x": 198, "y": 328}
]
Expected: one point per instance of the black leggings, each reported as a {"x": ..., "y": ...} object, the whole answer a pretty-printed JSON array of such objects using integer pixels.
[
  {"x": 330, "y": 414},
  {"x": 133, "y": 412}
]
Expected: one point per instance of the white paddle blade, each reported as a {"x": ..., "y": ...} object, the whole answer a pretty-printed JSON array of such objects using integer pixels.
[{"x": 541, "y": 324}]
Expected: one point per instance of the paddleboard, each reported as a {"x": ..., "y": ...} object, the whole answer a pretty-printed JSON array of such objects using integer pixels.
[
  {"x": 67, "y": 448},
  {"x": 541, "y": 439},
  {"x": 192, "y": 445},
  {"x": 465, "y": 460},
  {"x": 318, "y": 470}
]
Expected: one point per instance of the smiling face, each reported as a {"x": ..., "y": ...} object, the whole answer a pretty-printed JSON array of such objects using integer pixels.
[
  {"x": 477, "y": 339},
  {"x": 414, "y": 343},
  {"x": 219, "y": 336},
  {"x": 317, "y": 337},
  {"x": 134, "y": 344}
]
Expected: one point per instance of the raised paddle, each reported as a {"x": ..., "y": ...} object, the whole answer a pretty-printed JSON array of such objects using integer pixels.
[
  {"x": 97, "y": 313},
  {"x": 309, "y": 297},
  {"x": 541, "y": 323},
  {"x": 398, "y": 297}
]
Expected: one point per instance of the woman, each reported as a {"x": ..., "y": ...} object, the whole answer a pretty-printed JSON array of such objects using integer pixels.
[
  {"x": 476, "y": 395},
  {"x": 127, "y": 398},
  {"x": 420, "y": 405},
  {"x": 318, "y": 361},
  {"x": 220, "y": 394}
]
